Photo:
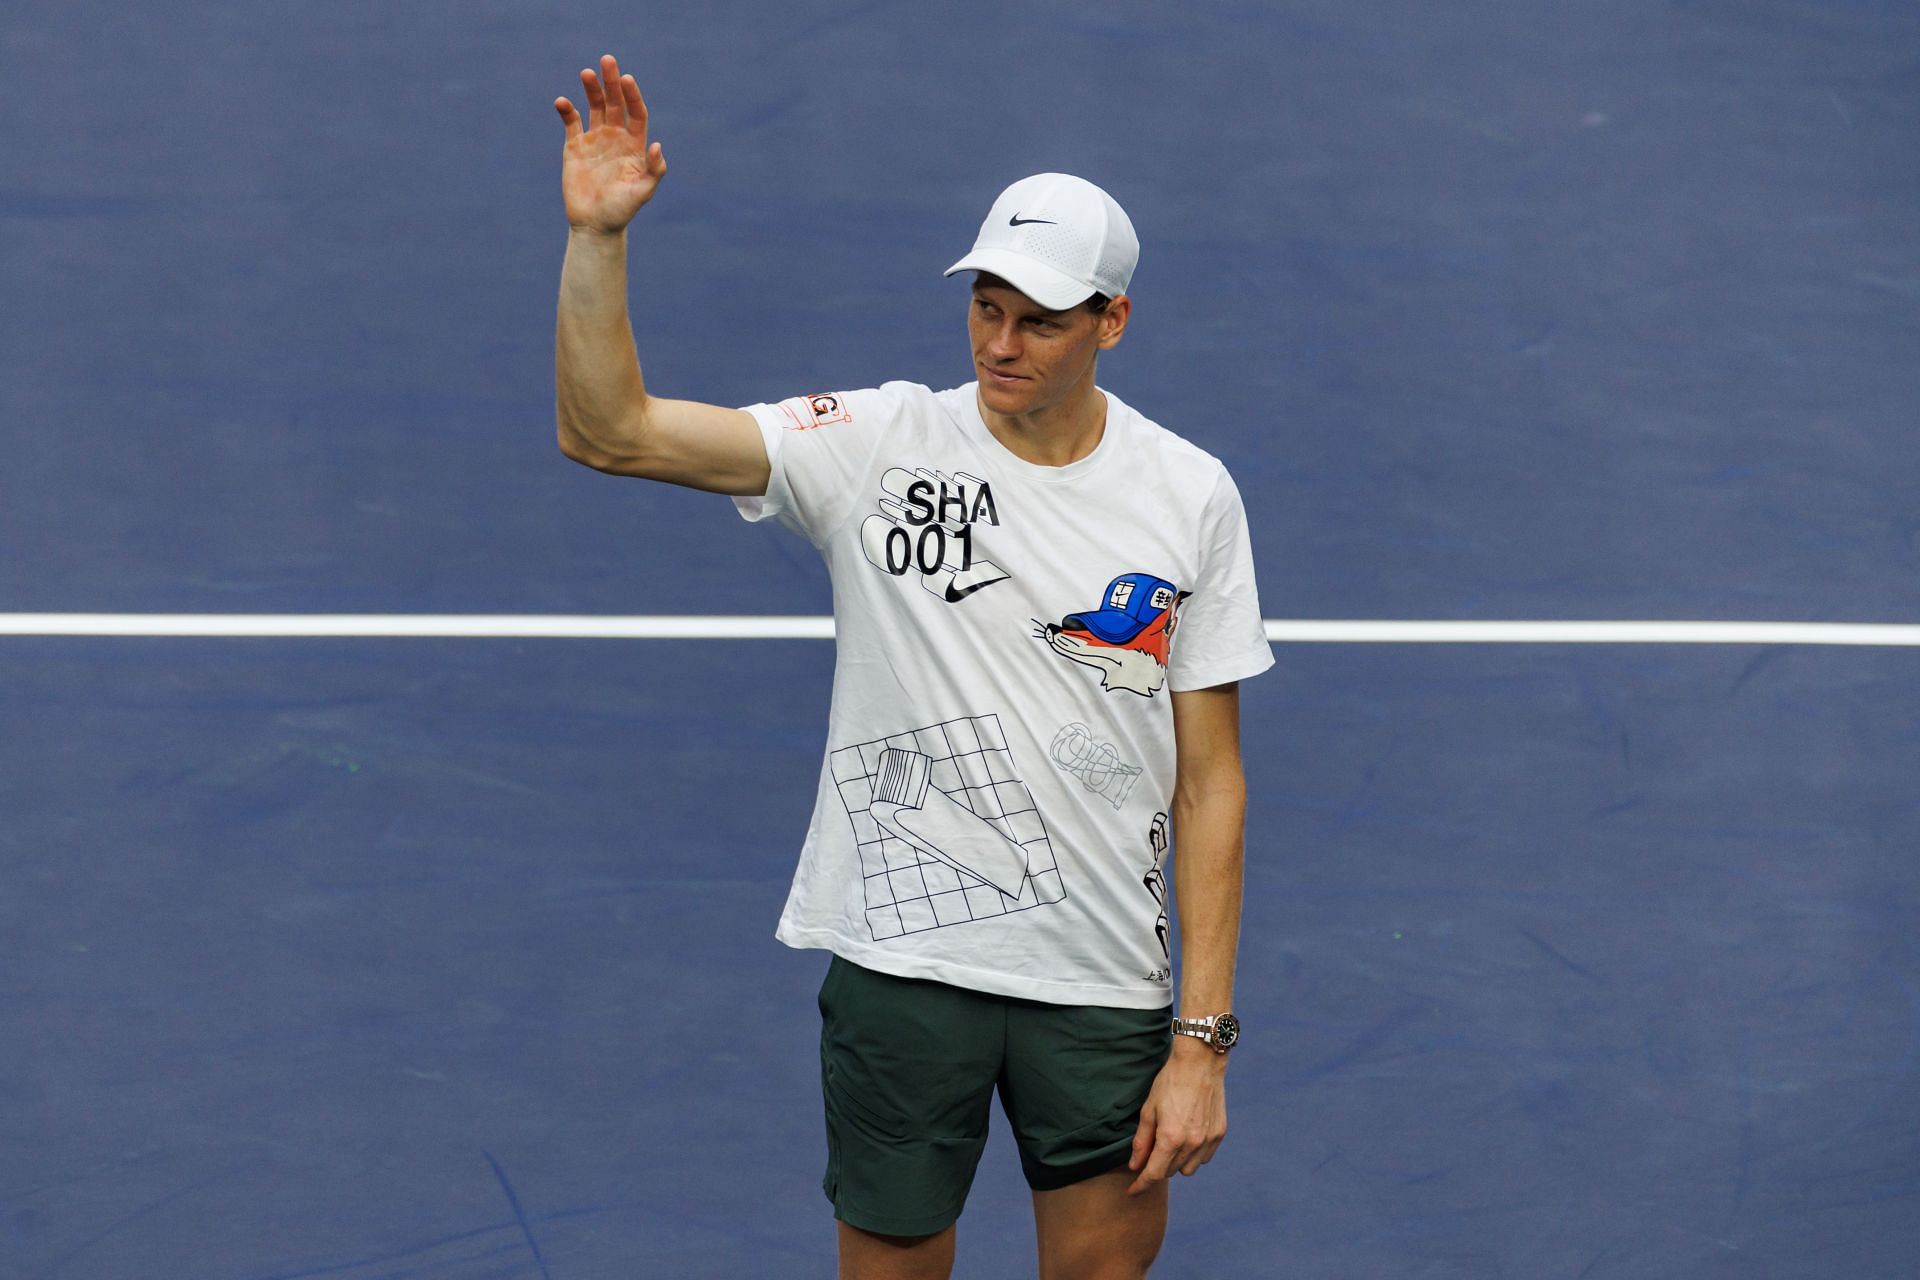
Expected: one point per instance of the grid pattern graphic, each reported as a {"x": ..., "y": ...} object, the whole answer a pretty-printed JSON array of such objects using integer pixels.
[{"x": 909, "y": 892}]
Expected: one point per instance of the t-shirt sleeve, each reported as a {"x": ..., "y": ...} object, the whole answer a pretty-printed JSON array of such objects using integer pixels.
[
  {"x": 818, "y": 450},
  {"x": 1221, "y": 636}
]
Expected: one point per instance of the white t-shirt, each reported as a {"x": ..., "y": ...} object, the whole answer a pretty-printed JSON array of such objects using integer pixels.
[{"x": 1000, "y": 754}]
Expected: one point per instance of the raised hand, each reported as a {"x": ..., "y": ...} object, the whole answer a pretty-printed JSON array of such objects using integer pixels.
[{"x": 608, "y": 169}]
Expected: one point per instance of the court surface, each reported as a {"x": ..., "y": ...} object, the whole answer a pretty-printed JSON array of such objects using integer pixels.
[{"x": 380, "y": 958}]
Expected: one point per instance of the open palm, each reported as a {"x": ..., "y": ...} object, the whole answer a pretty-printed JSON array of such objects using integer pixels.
[{"x": 608, "y": 169}]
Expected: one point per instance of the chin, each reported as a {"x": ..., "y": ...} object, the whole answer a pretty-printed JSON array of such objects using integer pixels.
[{"x": 1009, "y": 400}]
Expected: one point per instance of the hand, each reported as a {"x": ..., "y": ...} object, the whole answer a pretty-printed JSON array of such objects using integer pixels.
[
  {"x": 608, "y": 170},
  {"x": 1184, "y": 1118}
]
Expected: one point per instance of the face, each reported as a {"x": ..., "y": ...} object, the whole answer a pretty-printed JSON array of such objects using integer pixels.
[{"x": 1030, "y": 359}]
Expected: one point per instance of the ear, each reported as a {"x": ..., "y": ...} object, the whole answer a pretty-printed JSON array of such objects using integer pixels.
[{"x": 1113, "y": 322}]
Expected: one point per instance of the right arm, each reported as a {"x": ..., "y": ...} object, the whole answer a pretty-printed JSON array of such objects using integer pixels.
[{"x": 606, "y": 419}]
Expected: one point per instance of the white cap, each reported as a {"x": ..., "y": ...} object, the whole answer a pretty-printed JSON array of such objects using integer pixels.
[{"x": 1058, "y": 239}]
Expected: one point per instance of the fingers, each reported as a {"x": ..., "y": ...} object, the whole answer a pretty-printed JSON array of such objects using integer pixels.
[
  {"x": 1193, "y": 1162},
  {"x": 1150, "y": 1150},
  {"x": 1199, "y": 1153},
  {"x": 1142, "y": 1141},
  {"x": 1170, "y": 1157},
  {"x": 596, "y": 100},
  {"x": 636, "y": 106},
  {"x": 611, "y": 87},
  {"x": 637, "y": 125},
  {"x": 1158, "y": 1169},
  {"x": 614, "y": 100},
  {"x": 569, "y": 117},
  {"x": 1160, "y": 1150}
]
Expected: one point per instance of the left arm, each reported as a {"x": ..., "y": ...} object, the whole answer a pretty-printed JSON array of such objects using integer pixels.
[{"x": 1185, "y": 1115}]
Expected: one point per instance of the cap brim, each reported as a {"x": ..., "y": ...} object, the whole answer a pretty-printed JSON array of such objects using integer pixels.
[
  {"x": 1115, "y": 626},
  {"x": 1054, "y": 290}
]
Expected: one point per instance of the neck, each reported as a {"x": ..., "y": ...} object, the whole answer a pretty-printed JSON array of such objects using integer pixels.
[{"x": 1055, "y": 435}]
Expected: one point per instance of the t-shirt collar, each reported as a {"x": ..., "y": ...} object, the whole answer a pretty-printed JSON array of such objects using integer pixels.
[{"x": 1118, "y": 416}]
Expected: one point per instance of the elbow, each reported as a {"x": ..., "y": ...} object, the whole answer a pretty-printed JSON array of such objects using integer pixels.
[
  {"x": 1222, "y": 790},
  {"x": 615, "y": 452},
  {"x": 576, "y": 448}
]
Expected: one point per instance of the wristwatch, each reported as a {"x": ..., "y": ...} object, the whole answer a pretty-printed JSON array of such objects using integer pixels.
[{"x": 1221, "y": 1031}]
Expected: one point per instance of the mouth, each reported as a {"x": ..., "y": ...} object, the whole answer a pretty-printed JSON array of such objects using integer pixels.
[{"x": 1002, "y": 379}]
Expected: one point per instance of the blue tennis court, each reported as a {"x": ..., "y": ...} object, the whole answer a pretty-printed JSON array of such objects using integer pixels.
[{"x": 370, "y": 958}]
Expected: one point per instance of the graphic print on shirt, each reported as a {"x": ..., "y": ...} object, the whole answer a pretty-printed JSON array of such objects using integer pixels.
[
  {"x": 1127, "y": 639},
  {"x": 926, "y": 526},
  {"x": 1096, "y": 764},
  {"x": 1156, "y": 882},
  {"x": 822, "y": 410},
  {"x": 946, "y": 830}
]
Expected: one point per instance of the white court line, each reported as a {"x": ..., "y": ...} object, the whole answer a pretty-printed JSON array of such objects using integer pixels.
[
  {"x": 555, "y": 626},
  {"x": 776, "y": 627}
]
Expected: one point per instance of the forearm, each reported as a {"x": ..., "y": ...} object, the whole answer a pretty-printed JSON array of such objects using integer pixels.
[
  {"x": 1185, "y": 1115},
  {"x": 600, "y": 397},
  {"x": 1209, "y": 821}
]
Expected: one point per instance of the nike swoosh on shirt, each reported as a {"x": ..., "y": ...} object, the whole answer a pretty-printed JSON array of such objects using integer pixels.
[{"x": 955, "y": 593}]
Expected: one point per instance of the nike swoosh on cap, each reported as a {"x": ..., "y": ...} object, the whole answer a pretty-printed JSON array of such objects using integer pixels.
[{"x": 1017, "y": 221}]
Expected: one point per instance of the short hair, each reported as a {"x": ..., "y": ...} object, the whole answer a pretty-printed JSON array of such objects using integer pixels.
[{"x": 1096, "y": 303}]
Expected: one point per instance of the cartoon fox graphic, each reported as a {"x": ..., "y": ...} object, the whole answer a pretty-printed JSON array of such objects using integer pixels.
[{"x": 1128, "y": 640}]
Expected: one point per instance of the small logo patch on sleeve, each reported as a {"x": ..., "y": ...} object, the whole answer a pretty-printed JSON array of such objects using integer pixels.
[
  {"x": 828, "y": 409},
  {"x": 804, "y": 413}
]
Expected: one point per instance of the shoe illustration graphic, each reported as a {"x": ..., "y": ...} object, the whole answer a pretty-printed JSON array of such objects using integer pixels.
[{"x": 908, "y": 806}]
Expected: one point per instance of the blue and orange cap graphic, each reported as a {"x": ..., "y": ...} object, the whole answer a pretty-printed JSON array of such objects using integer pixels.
[{"x": 1132, "y": 602}]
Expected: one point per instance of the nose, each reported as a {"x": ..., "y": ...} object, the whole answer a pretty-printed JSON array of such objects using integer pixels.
[{"x": 1003, "y": 344}]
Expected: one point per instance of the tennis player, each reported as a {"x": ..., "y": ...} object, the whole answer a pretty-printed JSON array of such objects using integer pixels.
[{"x": 1043, "y": 603}]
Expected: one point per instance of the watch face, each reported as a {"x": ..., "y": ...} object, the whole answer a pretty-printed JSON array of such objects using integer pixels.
[{"x": 1226, "y": 1030}]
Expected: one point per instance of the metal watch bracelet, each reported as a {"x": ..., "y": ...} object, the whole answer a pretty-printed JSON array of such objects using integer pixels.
[{"x": 1220, "y": 1031}]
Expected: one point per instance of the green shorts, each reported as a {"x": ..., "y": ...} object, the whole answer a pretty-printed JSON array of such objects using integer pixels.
[{"x": 909, "y": 1068}]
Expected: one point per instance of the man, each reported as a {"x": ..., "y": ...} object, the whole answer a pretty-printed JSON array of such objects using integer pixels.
[{"x": 1043, "y": 603}]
